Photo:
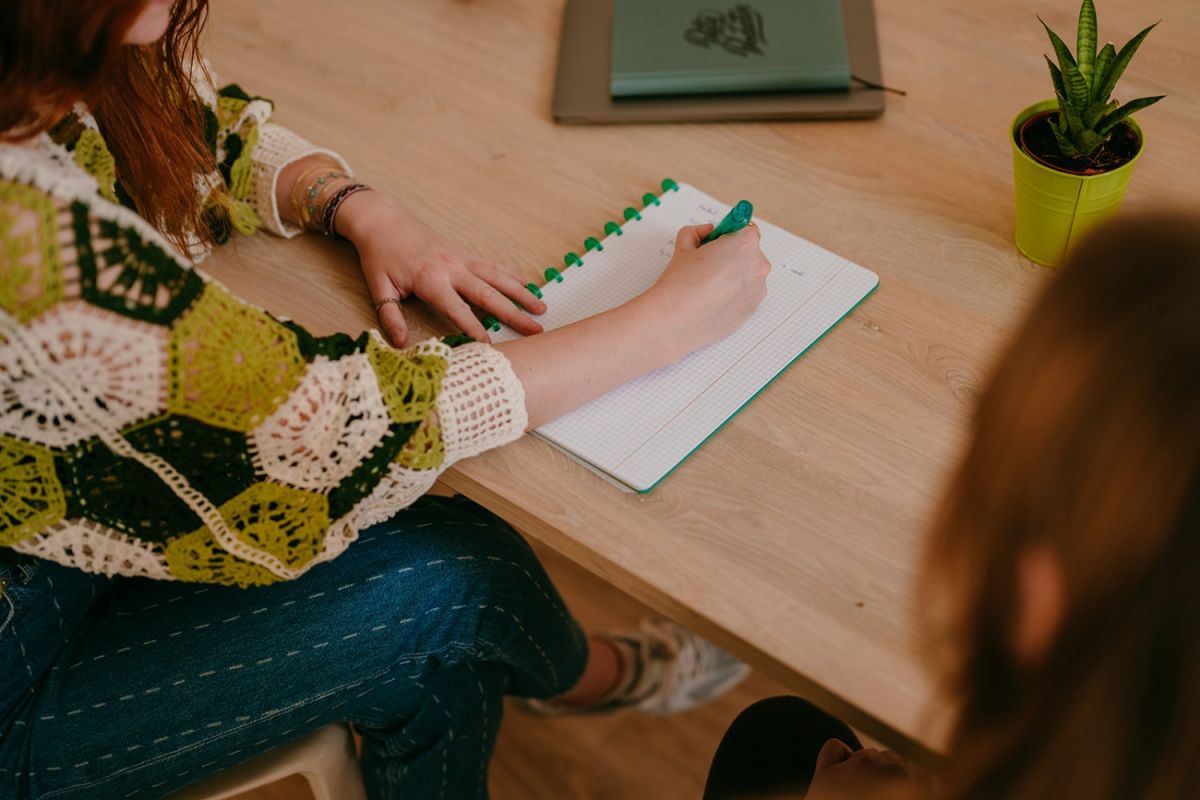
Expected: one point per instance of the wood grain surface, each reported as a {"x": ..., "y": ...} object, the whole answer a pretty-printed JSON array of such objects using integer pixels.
[{"x": 794, "y": 536}]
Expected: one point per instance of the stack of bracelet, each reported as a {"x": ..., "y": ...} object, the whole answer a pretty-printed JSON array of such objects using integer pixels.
[
  {"x": 329, "y": 215},
  {"x": 307, "y": 191},
  {"x": 313, "y": 205}
]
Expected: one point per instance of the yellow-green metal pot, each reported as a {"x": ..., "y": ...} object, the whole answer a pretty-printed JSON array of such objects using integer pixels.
[{"x": 1056, "y": 209}]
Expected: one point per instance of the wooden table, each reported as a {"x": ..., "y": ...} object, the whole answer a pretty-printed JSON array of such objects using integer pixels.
[{"x": 794, "y": 536}]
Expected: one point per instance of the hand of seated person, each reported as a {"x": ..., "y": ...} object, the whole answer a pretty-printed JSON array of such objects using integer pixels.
[
  {"x": 868, "y": 774},
  {"x": 401, "y": 257}
]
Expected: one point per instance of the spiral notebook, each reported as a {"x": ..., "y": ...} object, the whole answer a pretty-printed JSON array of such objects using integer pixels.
[{"x": 640, "y": 432}]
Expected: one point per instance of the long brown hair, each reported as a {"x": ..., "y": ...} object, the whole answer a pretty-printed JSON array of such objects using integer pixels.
[
  {"x": 1087, "y": 442},
  {"x": 54, "y": 53}
]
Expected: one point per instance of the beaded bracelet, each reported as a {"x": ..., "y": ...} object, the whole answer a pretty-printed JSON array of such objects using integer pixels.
[
  {"x": 304, "y": 181},
  {"x": 329, "y": 215},
  {"x": 312, "y": 184}
]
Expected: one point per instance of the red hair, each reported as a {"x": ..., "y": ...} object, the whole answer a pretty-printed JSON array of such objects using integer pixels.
[{"x": 54, "y": 53}]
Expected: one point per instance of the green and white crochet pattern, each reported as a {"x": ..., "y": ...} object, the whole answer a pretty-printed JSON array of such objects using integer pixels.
[{"x": 153, "y": 424}]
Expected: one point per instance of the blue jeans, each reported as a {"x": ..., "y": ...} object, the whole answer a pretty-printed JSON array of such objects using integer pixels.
[{"x": 131, "y": 688}]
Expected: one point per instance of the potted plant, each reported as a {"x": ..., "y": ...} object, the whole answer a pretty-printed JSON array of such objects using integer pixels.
[{"x": 1073, "y": 156}]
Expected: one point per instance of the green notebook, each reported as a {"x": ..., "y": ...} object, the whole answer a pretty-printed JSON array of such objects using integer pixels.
[{"x": 673, "y": 47}]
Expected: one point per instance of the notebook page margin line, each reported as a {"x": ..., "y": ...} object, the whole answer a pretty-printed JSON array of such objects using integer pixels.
[
  {"x": 716, "y": 380},
  {"x": 637, "y": 485}
]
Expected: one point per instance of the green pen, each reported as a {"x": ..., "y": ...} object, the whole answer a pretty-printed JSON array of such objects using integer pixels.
[{"x": 737, "y": 218}]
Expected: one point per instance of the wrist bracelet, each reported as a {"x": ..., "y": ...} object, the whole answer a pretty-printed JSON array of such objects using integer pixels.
[
  {"x": 307, "y": 190},
  {"x": 329, "y": 215}
]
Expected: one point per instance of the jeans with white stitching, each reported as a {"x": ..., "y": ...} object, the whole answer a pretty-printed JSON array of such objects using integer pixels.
[{"x": 130, "y": 688}]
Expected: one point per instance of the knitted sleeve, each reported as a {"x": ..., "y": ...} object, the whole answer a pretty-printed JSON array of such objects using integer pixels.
[
  {"x": 251, "y": 153},
  {"x": 153, "y": 424}
]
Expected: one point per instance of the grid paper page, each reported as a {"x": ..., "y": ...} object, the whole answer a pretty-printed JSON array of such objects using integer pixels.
[{"x": 640, "y": 431}]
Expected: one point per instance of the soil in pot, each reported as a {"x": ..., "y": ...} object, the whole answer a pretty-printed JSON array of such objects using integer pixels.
[{"x": 1037, "y": 140}]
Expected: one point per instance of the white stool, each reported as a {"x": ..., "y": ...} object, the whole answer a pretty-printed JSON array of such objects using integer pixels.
[{"x": 325, "y": 758}]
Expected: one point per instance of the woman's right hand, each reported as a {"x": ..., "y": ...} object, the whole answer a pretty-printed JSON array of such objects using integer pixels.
[{"x": 706, "y": 293}]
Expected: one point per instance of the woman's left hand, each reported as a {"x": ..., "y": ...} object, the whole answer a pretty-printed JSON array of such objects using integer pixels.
[{"x": 401, "y": 257}]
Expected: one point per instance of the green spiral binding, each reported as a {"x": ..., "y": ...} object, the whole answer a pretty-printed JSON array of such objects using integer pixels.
[
  {"x": 491, "y": 323},
  {"x": 572, "y": 259}
]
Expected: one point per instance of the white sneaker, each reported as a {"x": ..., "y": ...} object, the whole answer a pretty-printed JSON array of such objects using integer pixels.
[
  {"x": 675, "y": 670},
  {"x": 670, "y": 668}
]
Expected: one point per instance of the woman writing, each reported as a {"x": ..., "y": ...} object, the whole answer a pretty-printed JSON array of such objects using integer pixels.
[{"x": 156, "y": 427}]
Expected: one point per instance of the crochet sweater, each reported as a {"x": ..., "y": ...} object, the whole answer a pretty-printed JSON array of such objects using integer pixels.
[{"x": 153, "y": 424}]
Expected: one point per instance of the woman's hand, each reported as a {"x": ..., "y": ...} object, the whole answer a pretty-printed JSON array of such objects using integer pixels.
[
  {"x": 401, "y": 257},
  {"x": 706, "y": 293},
  {"x": 842, "y": 774}
]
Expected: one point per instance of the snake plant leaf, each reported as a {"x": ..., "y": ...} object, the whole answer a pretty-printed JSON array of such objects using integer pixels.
[
  {"x": 1100, "y": 73},
  {"x": 1060, "y": 47},
  {"x": 1065, "y": 145},
  {"x": 1088, "y": 141},
  {"x": 1078, "y": 91},
  {"x": 1110, "y": 121},
  {"x": 1055, "y": 76},
  {"x": 1085, "y": 41},
  {"x": 1121, "y": 61},
  {"x": 1095, "y": 112},
  {"x": 1069, "y": 118}
]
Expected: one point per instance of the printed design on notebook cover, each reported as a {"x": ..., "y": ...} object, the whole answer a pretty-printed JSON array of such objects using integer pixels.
[{"x": 739, "y": 30}]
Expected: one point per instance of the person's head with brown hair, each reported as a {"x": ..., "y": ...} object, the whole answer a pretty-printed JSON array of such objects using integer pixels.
[
  {"x": 131, "y": 62},
  {"x": 1065, "y": 561}
]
